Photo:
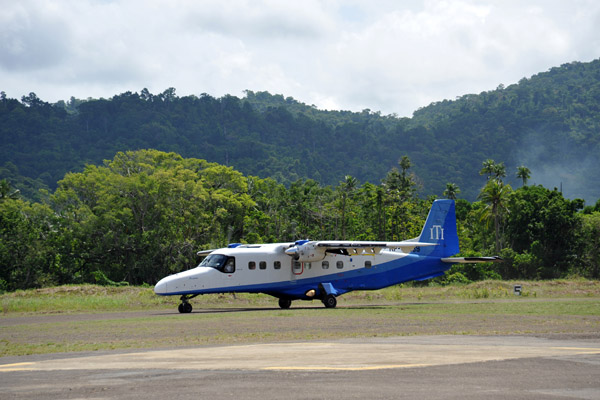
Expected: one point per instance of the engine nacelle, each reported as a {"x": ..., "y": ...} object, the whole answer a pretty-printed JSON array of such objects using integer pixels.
[{"x": 305, "y": 251}]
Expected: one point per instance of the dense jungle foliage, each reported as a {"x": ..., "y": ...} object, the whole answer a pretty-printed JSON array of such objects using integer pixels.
[
  {"x": 145, "y": 214},
  {"x": 549, "y": 122}
]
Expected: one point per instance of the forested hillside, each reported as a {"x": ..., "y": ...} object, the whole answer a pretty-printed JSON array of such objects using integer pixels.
[{"x": 549, "y": 123}]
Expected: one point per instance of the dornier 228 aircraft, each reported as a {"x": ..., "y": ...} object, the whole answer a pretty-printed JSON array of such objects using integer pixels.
[{"x": 308, "y": 270}]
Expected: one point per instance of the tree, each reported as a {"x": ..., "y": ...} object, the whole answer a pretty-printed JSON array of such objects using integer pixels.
[
  {"x": 399, "y": 190},
  {"x": 32, "y": 100},
  {"x": 346, "y": 191},
  {"x": 590, "y": 235},
  {"x": 492, "y": 169},
  {"x": 488, "y": 168},
  {"x": 27, "y": 257},
  {"x": 495, "y": 195},
  {"x": 147, "y": 212},
  {"x": 543, "y": 227},
  {"x": 499, "y": 171},
  {"x": 381, "y": 220},
  {"x": 406, "y": 180},
  {"x": 452, "y": 190},
  {"x": 524, "y": 174},
  {"x": 6, "y": 192}
]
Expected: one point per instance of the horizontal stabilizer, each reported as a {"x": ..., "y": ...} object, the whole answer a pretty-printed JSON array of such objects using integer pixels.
[{"x": 470, "y": 260}]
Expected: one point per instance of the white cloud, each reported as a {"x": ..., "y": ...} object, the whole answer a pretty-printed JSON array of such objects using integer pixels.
[
  {"x": 31, "y": 39},
  {"x": 383, "y": 55}
]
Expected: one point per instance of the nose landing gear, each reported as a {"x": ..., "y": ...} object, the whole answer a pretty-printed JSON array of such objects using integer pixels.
[{"x": 185, "y": 307}]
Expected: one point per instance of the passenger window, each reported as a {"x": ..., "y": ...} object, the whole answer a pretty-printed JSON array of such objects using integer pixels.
[
  {"x": 340, "y": 264},
  {"x": 262, "y": 265},
  {"x": 297, "y": 267},
  {"x": 251, "y": 265},
  {"x": 325, "y": 264},
  {"x": 277, "y": 265},
  {"x": 367, "y": 264}
]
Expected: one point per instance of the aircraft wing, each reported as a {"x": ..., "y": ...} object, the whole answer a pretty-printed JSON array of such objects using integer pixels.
[
  {"x": 354, "y": 246},
  {"x": 470, "y": 260}
]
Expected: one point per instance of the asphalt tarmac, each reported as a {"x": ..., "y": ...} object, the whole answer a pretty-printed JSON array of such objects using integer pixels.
[{"x": 418, "y": 367}]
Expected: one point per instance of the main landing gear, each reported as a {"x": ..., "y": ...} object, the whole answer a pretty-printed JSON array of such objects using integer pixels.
[
  {"x": 329, "y": 301},
  {"x": 285, "y": 303},
  {"x": 185, "y": 307}
]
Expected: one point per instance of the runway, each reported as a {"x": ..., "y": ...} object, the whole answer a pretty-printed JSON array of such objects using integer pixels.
[{"x": 408, "y": 367}]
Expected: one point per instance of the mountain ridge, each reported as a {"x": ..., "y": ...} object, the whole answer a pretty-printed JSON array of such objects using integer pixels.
[{"x": 549, "y": 123}]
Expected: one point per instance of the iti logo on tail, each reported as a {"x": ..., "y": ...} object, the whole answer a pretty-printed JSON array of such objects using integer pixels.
[{"x": 437, "y": 232}]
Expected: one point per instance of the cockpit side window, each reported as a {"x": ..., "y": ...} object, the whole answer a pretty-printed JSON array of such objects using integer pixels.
[
  {"x": 229, "y": 267},
  {"x": 220, "y": 262}
]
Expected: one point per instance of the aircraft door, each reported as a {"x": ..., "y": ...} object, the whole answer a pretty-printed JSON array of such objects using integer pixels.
[{"x": 297, "y": 269}]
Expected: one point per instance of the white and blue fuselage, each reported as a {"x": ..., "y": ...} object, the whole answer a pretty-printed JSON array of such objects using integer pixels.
[
  {"x": 307, "y": 270},
  {"x": 266, "y": 268}
]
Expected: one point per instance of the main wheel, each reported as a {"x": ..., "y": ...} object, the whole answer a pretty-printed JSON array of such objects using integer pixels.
[
  {"x": 181, "y": 309},
  {"x": 187, "y": 308},
  {"x": 285, "y": 303},
  {"x": 330, "y": 301}
]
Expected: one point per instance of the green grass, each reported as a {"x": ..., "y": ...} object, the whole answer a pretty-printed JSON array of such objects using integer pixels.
[
  {"x": 92, "y": 298},
  {"x": 80, "y": 298}
]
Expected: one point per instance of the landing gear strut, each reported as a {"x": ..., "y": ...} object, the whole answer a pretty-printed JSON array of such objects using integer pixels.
[{"x": 185, "y": 307}]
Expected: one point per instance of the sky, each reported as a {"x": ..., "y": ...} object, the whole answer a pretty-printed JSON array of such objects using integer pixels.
[{"x": 391, "y": 56}]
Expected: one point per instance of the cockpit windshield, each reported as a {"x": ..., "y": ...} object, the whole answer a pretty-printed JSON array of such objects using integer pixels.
[{"x": 218, "y": 261}]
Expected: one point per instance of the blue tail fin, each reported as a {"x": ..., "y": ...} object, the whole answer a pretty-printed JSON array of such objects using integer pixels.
[{"x": 440, "y": 228}]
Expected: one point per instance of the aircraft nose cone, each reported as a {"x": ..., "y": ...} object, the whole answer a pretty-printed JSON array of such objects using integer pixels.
[{"x": 161, "y": 287}]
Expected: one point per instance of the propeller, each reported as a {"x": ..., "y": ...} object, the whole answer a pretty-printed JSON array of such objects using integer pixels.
[{"x": 305, "y": 251}]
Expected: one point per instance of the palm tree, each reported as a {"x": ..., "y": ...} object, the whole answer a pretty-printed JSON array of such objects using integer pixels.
[
  {"x": 524, "y": 173},
  {"x": 488, "y": 168},
  {"x": 495, "y": 194},
  {"x": 451, "y": 191},
  {"x": 380, "y": 201},
  {"x": 347, "y": 187},
  {"x": 499, "y": 171}
]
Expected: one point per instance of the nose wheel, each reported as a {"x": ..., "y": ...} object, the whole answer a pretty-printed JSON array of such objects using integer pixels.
[{"x": 185, "y": 307}]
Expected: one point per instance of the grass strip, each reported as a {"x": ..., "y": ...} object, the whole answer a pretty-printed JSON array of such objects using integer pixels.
[{"x": 92, "y": 298}]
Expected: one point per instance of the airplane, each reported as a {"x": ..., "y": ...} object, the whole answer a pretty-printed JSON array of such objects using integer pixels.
[{"x": 323, "y": 270}]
